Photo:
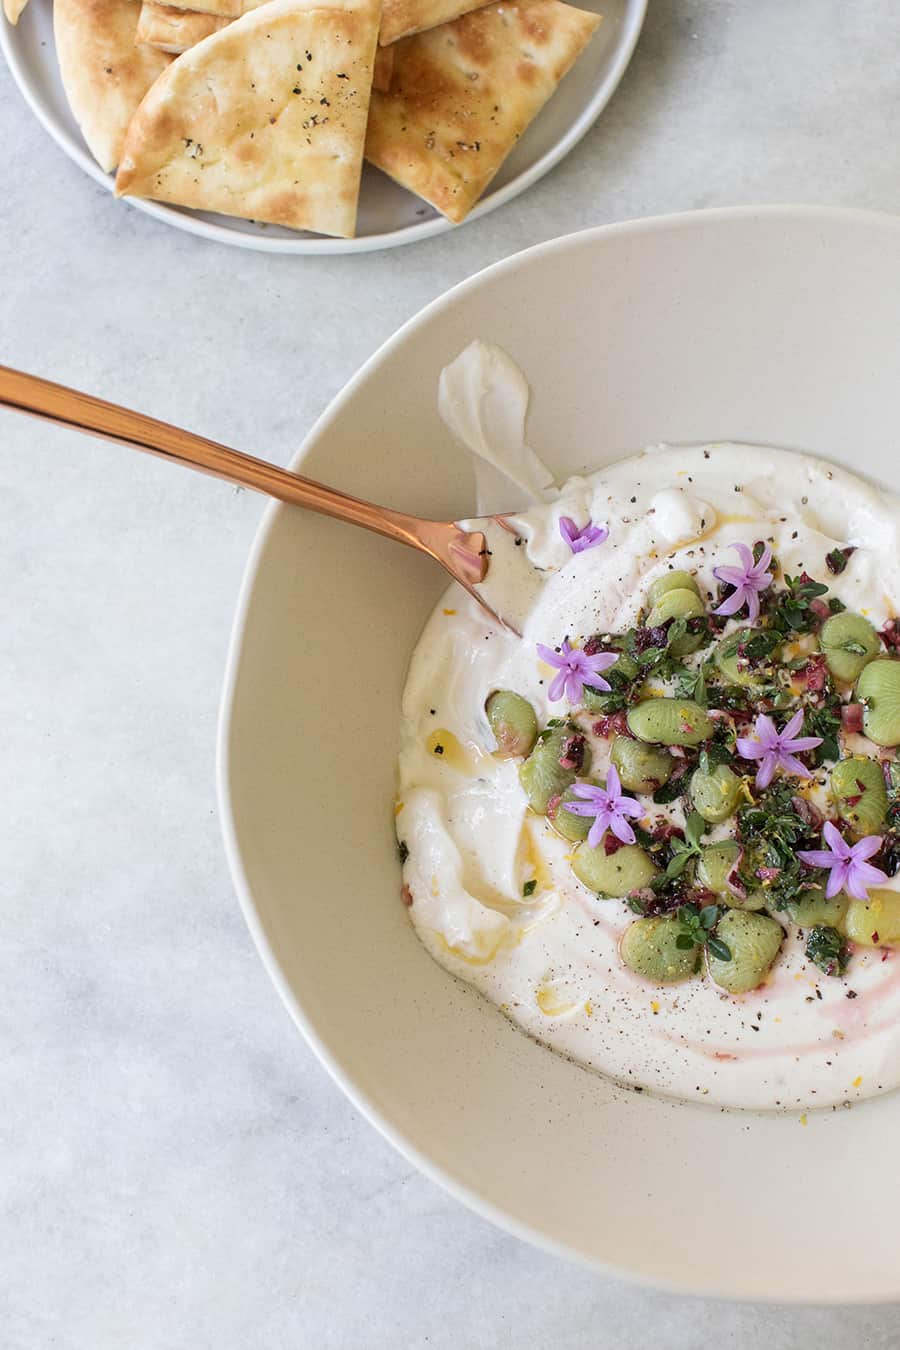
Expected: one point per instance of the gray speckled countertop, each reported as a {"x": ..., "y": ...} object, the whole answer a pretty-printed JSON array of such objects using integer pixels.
[{"x": 176, "y": 1170}]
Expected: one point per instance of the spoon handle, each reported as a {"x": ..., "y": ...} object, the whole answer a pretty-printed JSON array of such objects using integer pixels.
[{"x": 83, "y": 412}]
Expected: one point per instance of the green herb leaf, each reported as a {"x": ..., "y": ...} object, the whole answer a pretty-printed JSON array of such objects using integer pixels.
[
  {"x": 677, "y": 863},
  {"x": 838, "y": 558},
  {"x": 694, "y": 829},
  {"x": 670, "y": 791},
  {"x": 827, "y": 949},
  {"x": 824, "y": 722},
  {"x": 720, "y": 950},
  {"x": 529, "y": 888}
]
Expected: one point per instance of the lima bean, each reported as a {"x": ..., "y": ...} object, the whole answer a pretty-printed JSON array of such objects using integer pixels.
[
  {"x": 678, "y": 604},
  {"x": 649, "y": 948},
  {"x": 878, "y": 688},
  {"x": 675, "y": 605},
  {"x": 735, "y": 667},
  {"x": 849, "y": 642},
  {"x": 876, "y": 923},
  {"x": 715, "y": 794},
  {"x": 714, "y": 868},
  {"x": 669, "y": 721},
  {"x": 614, "y": 874},
  {"x": 567, "y": 823},
  {"x": 641, "y": 768},
  {"x": 812, "y": 907},
  {"x": 754, "y": 941},
  {"x": 671, "y": 581},
  {"x": 513, "y": 722},
  {"x": 543, "y": 776},
  {"x": 860, "y": 794}
]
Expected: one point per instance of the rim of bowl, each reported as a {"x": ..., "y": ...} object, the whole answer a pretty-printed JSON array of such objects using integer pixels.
[
  {"x": 464, "y": 1194},
  {"x": 309, "y": 244}
]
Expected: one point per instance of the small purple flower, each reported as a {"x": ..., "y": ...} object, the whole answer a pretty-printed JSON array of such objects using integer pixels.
[
  {"x": 576, "y": 669},
  {"x": 847, "y": 864},
  {"x": 776, "y": 749},
  {"x": 579, "y": 540},
  {"x": 748, "y": 580},
  {"x": 608, "y": 807}
]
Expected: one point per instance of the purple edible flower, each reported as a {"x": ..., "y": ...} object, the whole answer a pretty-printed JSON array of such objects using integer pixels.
[
  {"x": 588, "y": 537},
  {"x": 748, "y": 580},
  {"x": 776, "y": 749},
  {"x": 847, "y": 863},
  {"x": 576, "y": 669},
  {"x": 608, "y": 807}
]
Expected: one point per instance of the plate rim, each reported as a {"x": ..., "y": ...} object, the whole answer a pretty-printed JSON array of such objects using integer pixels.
[
  {"x": 322, "y": 245},
  {"x": 369, "y": 1110}
]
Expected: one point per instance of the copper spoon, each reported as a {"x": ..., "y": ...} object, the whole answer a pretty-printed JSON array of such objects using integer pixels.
[{"x": 464, "y": 554}]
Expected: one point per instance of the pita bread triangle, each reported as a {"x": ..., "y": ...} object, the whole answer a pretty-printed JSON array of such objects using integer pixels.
[
  {"x": 399, "y": 18},
  {"x": 265, "y": 119},
  {"x": 175, "y": 30},
  {"x": 220, "y": 9},
  {"x": 104, "y": 74},
  {"x": 461, "y": 96},
  {"x": 13, "y": 9}
]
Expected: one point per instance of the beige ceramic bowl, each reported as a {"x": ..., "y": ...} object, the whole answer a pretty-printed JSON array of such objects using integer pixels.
[{"x": 779, "y": 326}]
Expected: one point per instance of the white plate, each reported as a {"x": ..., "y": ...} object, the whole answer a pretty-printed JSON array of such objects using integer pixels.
[
  {"x": 388, "y": 215},
  {"x": 777, "y": 326}
]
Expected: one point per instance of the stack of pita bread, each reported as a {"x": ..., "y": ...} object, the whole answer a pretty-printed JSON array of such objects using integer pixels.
[{"x": 265, "y": 109}]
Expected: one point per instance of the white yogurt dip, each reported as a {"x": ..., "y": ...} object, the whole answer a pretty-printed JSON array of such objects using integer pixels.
[{"x": 547, "y": 955}]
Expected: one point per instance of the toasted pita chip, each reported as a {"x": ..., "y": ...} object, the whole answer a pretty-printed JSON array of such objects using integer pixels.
[
  {"x": 104, "y": 74},
  {"x": 174, "y": 30},
  {"x": 264, "y": 120},
  {"x": 13, "y": 9},
  {"x": 461, "y": 96},
  {"x": 400, "y": 18},
  {"x": 384, "y": 69},
  {"x": 221, "y": 9}
]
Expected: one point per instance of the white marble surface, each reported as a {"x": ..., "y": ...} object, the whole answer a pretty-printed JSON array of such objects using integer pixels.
[{"x": 176, "y": 1170}]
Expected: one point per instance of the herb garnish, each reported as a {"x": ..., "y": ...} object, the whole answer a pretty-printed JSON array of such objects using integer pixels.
[
  {"x": 697, "y": 927},
  {"x": 826, "y": 723},
  {"x": 688, "y": 847},
  {"x": 827, "y": 949},
  {"x": 790, "y": 610},
  {"x": 837, "y": 559}
]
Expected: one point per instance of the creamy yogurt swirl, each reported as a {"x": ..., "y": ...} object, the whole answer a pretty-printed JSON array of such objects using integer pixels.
[{"x": 549, "y": 959}]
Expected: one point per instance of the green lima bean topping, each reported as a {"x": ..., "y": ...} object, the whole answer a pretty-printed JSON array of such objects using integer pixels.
[
  {"x": 860, "y": 794},
  {"x": 614, "y": 874},
  {"x": 513, "y": 722},
  {"x": 543, "y": 776},
  {"x": 754, "y": 941},
  {"x": 849, "y": 643},
  {"x": 669, "y": 721},
  {"x": 878, "y": 689},
  {"x": 650, "y": 948},
  {"x": 671, "y": 581},
  {"x": 715, "y": 793},
  {"x": 715, "y": 868},
  {"x": 641, "y": 768}
]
